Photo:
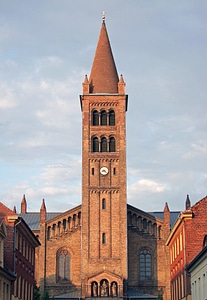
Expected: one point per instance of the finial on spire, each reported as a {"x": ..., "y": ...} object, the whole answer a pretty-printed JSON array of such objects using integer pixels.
[{"x": 103, "y": 16}]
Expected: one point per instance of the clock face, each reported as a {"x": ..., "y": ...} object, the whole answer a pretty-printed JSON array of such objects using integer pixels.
[{"x": 104, "y": 171}]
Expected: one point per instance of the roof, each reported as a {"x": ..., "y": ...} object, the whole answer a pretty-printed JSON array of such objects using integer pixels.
[
  {"x": 5, "y": 211},
  {"x": 33, "y": 219},
  {"x": 173, "y": 216},
  {"x": 104, "y": 76}
]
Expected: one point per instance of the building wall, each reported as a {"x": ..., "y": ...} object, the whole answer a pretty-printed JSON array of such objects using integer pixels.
[
  {"x": 19, "y": 253},
  {"x": 185, "y": 242},
  {"x": 6, "y": 277},
  {"x": 198, "y": 224},
  {"x": 199, "y": 280},
  {"x": 62, "y": 233},
  {"x": 146, "y": 233}
]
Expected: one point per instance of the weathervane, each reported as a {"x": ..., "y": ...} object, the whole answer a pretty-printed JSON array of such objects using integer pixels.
[{"x": 103, "y": 15}]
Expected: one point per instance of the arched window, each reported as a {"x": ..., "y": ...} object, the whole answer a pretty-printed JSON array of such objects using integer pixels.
[
  {"x": 63, "y": 265},
  {"x": 103, "y": 144},
  {"x": 95, "y": 118},
  {"x": 103, "y": 203},
  {"x": 111, "y": 118},
  {"x": 48, "y": 232},
  {"x": 145, "y": 265},
  {"x": 95, "y": 144},
  {"x": 103, "y": 118},
  {"x": 103, "y": 238},
  {"x": 112, "y": 144}
]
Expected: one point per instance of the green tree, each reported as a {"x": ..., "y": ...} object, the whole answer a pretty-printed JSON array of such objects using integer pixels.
[
  {"x": 45, "y": 296},
  {"x": 159, "y": 297},
  {"x": 36, "y": 292}
]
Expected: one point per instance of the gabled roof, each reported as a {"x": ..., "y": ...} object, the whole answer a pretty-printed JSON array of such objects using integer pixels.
[
  {"x": 5, "y": 211},
  {"x": 103, "y": 77}
]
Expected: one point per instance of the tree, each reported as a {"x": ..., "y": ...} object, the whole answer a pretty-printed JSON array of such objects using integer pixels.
[
  {"x": 36, "y": 292},
  {"x": 159, "y": 297},
  {"x": 45, "y": 296}
]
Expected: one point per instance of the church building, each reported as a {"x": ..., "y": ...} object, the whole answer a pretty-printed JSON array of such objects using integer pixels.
[{"x": 103, "y": 247}]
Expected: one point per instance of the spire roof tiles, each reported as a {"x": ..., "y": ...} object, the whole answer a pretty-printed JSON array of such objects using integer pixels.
[{"x": 104, "y": 76}]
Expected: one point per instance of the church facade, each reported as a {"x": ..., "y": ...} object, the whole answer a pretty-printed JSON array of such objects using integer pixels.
[{"x": 103, "y": 247}]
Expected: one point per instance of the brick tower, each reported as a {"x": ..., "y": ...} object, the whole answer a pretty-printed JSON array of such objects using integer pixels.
[{"x": 104, "y": 205}]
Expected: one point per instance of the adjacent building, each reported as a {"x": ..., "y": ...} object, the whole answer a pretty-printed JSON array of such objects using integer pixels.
[
  {"x": 18, "y": 254},
  {"x": 185, "y": 242},
  {"x": 6, "y": 276},
  {"x": 198, "y": 274}
]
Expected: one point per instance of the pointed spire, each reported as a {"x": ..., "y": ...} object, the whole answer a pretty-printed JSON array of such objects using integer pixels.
[
  {"x": 166, "y": 219},
  {"x": 103, "y": 77},
  {"x": 121, "y": 85},
  {"x": 85, "y": 85},
  {"x": 43, "y": 212},
  {"x": 166, "y": 209},
  {"x": 24, "y": 205},
  {"x": 187, "y": 203}
]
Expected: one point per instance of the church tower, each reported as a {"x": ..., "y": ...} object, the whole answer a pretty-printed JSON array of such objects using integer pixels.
[{"x": 104, "y": 204}]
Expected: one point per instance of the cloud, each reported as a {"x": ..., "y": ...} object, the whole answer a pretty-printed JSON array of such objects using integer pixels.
[
  {"x": 7, "y": 98},
  {"x": 146, "y": 185},
  {"x": 196, "y": 150},
  {"x": 44, "y": 56}
]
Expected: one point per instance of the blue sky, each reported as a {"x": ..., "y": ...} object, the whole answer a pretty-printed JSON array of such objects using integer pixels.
[{"x": 46, "y": 49}]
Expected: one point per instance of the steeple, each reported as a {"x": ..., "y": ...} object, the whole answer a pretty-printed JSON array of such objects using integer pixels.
[
  {"x": 104, "y": 76},
  {"x": 24, "y": 205}
]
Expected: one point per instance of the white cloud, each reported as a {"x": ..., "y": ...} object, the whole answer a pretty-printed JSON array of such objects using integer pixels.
[
  {"x": 7, "y": 98},
  {"x": 196, "y": 150},
  {"x": 146, "y": 185},
  {"x": 44, "y": 56}
]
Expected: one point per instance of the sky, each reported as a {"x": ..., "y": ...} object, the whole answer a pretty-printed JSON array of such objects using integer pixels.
[{"x": 48, "y": 46}]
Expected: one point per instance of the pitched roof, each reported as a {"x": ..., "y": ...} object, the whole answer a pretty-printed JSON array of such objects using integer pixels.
[
  {"x": 4, "y": 211},
  {"x": 33, "y": 219},
  {"x": 103, "y": 77},
  {"x": 173, "y": 216}
]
